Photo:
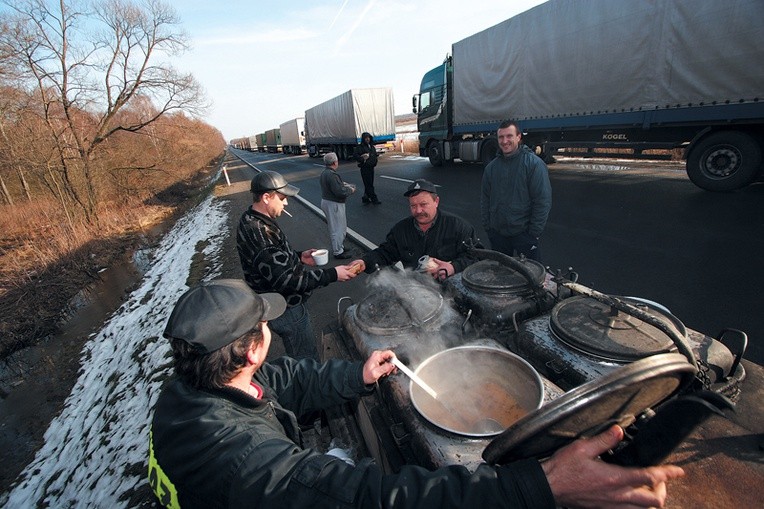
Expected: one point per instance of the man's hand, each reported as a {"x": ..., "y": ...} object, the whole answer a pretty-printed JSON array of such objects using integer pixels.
[
  {"x": 378, "y": 365},
  {"x": 346, "y": 272},
  {"x": 578, "y": 478},
  {"x": 441, "y": 269},
  {"x": 307, "y": 258},
  {"x": 358, "y": 266}
]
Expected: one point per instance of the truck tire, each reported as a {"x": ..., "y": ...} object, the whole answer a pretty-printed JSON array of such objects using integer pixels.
[
  {"x": 434, "y": 154},
  {"x": 724, "y": 161},
  {"x": 488, "y": 151}
]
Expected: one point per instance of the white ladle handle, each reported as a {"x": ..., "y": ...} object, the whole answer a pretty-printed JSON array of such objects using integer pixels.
[{"x": 421, "y": 383}]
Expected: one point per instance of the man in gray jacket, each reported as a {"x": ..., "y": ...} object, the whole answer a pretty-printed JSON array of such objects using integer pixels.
[
  {"x": 516, "y": 196},
  {"x": 334, "y": 192},
  {"x": 224, "y": 432}
]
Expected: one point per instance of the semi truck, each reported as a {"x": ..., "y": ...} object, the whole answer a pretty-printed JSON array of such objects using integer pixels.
[
  {"x": 293, "y": 136},
  {"x": 262, "y": 142},
  {"x": 336, "y": 125},
  {"x": 273, "y": 141},
  {"x": 608, "y": 76},
  {"x": 252, "y": 146}
]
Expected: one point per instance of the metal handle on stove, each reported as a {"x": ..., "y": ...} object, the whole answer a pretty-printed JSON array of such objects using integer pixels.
[{"x": 339, "y": 313}]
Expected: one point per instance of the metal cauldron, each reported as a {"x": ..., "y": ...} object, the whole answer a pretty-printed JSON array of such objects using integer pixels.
[{"x": 481, "y": 391}]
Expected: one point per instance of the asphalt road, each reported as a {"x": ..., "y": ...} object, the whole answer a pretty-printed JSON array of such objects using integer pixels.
[{"x": 627, "y": 228}]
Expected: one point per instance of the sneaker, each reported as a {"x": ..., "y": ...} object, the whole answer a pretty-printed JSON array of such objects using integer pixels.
[{"x": 345, "y": 255}]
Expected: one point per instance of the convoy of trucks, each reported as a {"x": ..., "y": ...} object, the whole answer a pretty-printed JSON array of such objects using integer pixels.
[
  {"x": 293, "y": 136},
  {"x": 616, "y": 74},
  {"x": 336, "y": 125}
]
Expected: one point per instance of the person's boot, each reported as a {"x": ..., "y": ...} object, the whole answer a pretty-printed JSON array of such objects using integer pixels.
[
  {"x": 365, "y": 199},
  {"x": 375, "y": 200}
]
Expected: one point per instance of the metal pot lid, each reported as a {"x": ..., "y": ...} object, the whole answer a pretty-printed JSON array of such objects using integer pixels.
[
  {"x": 493, "y": 277},
  {"x": 390, "y": 310},
  {"x": 595, "y": 328},
  {"x": 616, "y": 398}
]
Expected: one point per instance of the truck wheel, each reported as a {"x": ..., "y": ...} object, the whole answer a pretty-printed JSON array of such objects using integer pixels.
[
  {"x": 488, "y": 151},
  {"x": 434, "y": 154},
  {"x": 724, "y": 161}
]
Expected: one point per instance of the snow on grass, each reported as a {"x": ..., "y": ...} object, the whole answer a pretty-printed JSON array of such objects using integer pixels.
[{"x": 95, "y": 453}]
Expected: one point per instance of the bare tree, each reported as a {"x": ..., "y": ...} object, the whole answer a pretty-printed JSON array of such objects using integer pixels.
[{"x": 85, "y": 65}]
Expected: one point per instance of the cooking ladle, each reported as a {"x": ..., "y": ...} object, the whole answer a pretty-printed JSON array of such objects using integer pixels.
[
  {"x": 421, "y": 383},
  {"x": 483, "y": 426}
]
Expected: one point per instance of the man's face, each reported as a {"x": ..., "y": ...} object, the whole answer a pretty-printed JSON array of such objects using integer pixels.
[
  {"x": 424, "y": 207},
  {"x": 366, "y": 139},
  {"x": 509, "y": 140},
  {"x": 276, "y": 204}
]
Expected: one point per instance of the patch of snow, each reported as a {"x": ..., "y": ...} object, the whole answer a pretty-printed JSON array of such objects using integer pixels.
[{"x": 95, "y": 454}]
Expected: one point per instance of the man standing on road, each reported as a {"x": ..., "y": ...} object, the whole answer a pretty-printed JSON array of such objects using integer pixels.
[
  {"x": 271, "y": 265},
  {"x": 366, "y": 155},
  {"x": 443, "y": 237},
  {"x": 516, "y": 196},
  {"x": 334, "y": 192},
  {"x": 225, "y": 431}
]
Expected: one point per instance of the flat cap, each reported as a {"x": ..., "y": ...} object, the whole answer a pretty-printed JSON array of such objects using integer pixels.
[
  {"x": 213, "y": 314},
  {"x": 420, "y": 185},
  {"x": 267, "y": 181}
]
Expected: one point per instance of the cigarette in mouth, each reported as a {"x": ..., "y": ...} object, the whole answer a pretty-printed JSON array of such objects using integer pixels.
[{"x": 287, "y": 213}]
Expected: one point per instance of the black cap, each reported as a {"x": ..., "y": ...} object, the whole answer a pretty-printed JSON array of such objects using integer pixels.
[
  {"x": 420, "y": 185},
  {"x": 267, "y": 181},
  {"x": 212, "y": 315}
]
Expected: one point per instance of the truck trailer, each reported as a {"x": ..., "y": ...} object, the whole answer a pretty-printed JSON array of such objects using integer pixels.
[
  {"x": 252, "y": 147},
  {"x": 273, "y": 141},
  {"x": 608, "y": 75},
  {"x": 293, "y": 136},
  {"x": 262, "y": 142},
  {"x": 336, "y": 125}
]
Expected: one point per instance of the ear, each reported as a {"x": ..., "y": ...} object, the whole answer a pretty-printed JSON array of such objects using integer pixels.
[{"x": 257, "y": 353}]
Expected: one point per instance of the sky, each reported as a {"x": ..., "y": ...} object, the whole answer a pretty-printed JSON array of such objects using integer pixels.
[{"x": 264, "y": 62}]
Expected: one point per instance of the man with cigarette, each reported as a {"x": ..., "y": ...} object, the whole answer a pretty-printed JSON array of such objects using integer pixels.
[
  {"x": 443, "y": 237},
  {"x": 270, "y": 264},
  {"x": 225, "y": 430}
]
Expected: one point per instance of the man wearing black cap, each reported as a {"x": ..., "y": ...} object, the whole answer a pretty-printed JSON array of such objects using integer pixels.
[
  {"x": 271, "y": 265},
  {"x": 440, "y": 235},
  {"x": 225, "y": 434}
]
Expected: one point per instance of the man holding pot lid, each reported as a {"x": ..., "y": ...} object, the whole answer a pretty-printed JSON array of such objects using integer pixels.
[
  {"x": 225, "y": 434},
  {"x": 441, "y": 236},
  {"x": 270, "y": 264}
]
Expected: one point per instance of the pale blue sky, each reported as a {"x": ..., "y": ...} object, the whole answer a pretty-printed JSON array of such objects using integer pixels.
[{"x": 265, "y": 62}]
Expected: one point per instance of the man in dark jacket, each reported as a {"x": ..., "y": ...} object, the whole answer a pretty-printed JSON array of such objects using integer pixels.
[
  {"x": 366, "y": 155},
  {"x": 271, "y": 265},
  {"x": 334, "y": 192},
  {"x": 516, "y": 196},
  {"x": 224, "y": 431},
  {"x": 441, "y": 236}
]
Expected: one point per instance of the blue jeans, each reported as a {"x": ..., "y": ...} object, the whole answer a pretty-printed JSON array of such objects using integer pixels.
[
  {"x": 295, "y": 330},
  {"x": 523, "y": 243}
]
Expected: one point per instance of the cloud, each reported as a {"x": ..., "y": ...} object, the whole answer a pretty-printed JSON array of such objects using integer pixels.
[
  {"x": 271, "y": 36},
  {"x": 345, "y": 36}
]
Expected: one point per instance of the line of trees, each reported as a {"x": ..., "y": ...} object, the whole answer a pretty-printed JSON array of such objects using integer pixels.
[{"x": 92, "y": 113}]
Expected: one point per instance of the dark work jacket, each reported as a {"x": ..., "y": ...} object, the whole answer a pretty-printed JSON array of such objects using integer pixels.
[
  {"x": 366, "y": 148},
  {"x": 333, "y": 188},
  {"x": 271, "y": 265},
  {"x": 224, "y": 448},
  {"x": 445, "y": 240}
]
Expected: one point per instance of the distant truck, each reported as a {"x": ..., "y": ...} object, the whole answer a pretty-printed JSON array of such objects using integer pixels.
[
  {"x": 273, "y": 141},
  {"x": 608, "y": 74},
  {"x": 252, "y": 146},
  {"x": 262, "y": 142},
  {"x": 293, "y": 136},
  {"x": 337, "y": 124}
]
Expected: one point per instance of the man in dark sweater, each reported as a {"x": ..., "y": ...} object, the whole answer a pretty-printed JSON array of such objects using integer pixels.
[
  {"x": 225, "y": 432},
  {"x": 441, "y": 236},
  {"x": 270, "y": 264}
]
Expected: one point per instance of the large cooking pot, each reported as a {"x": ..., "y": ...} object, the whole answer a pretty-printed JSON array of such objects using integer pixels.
[{"x": 481, "y": 391}]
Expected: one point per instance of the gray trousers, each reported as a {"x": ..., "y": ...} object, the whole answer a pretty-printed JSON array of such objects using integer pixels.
[{"x": 337, "y": 222}]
